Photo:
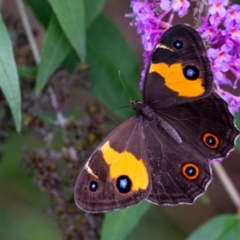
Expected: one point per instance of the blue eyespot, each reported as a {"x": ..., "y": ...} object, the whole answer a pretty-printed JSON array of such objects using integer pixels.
[
  {"x": 124, "y": 184},
  {"x": 178, "y": 44},
  {"x": 211, "y": 141},
  {"x": 93, "y": 186},
  {"x": 190, "y": 171},
  {"x": 191, "y": 72}
]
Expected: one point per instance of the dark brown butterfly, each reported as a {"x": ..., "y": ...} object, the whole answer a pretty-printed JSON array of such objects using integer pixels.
[{"x": 162, "y": 153}]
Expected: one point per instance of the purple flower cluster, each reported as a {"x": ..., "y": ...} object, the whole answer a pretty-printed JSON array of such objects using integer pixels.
[
  {"x": 148, "y": 17},
  {"x": 219, "y": 26},
  {"x": 221, "y": 30}
]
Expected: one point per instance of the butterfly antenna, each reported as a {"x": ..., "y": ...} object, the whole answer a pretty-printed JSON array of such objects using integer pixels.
[
  {"x": 117, "y": 109},
  {"x": 119, "y": 75}
]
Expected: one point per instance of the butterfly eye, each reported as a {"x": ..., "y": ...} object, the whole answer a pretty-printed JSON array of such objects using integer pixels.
[
  {"x": 191, "y": 72},
  {"x": 93, "y": 186},
  {"x": 190, "y": 171},
  {"x": 178, "y": 44},
  {"x": 124, "y": 184},
  {"x": 210, "y": 140}
]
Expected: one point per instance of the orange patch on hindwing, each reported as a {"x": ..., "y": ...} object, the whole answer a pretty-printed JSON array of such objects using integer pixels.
[{"x": 126, "y": 163}]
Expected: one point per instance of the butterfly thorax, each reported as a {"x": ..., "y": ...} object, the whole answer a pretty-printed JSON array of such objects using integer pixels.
[
  {"x": 143, "y": 110},
  {"x": 148, "y": 114}
]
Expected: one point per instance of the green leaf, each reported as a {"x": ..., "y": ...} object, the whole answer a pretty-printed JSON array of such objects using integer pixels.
[
  {"x": 237, "y": 117},
  {"x": 93, "y": 12},
  {"x": 42, "y": 10},
  {"x": 44, "y": 16},
  {"x": 56, "y": 46},
  {"x": 108, "y": 53},
  {"x": 157, "y": 222},
  {"x": 225, "y": 227},
  {"x": 27, "y": 71},
  {"x": 71, "y": 61},
  {"x": 55, "y": 49},
  {"x": 21, "y": 197},
  {"x": 9, "y": 81},
  {"x": 71, "y": 17},
  {"x": 236, "y": 1},
  {"x": 118, "y": 224}
]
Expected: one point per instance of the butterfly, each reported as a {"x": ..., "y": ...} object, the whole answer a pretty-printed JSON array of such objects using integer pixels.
[{"x": 162, "y": 154}]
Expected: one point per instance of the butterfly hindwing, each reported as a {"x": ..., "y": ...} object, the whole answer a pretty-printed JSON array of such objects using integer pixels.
[
  {"x": 116, "y": 174},
  {"x": 206, "y": 125},
  {"x": 179, "y": 175}
]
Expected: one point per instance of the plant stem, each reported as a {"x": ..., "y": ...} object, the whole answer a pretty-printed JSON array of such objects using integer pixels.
[
  {"x": 28, "y": 31},
  {"x": 227, "y": 184}
]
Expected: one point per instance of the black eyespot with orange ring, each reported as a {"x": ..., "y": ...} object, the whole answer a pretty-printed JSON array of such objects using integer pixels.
[
  {"x": 210, "y": 140},
  {"x": 190, "y": 171}
]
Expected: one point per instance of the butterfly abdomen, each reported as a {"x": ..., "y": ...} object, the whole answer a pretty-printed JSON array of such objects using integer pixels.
[{"x": 169, "y": 130}]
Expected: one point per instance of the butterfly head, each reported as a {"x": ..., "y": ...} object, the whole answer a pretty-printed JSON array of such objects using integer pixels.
[{"x": 143, "y": 110}]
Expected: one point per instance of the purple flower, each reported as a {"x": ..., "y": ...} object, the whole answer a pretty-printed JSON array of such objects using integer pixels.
[
  {"x": 165, "y": 5},
  {"x": 218, "y": 7},
  {"x": 215, "y": 19},
  {"x": 233, "y": 31},
  {"x": 232, "y": 15},
  {"x": 221, "y": 57},
  {"x": 219, "y": 27},
  {"x": 220, "y": 60},
  {"x": 208, "y": 32},
  {"x": 233, "y": 101},
  {"x": 180, "y": 6}
]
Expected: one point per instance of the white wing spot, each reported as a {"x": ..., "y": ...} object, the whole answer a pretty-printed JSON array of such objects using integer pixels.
[
  {"x": 90, "y": 171},
  {"x": 164, "y": 47}
]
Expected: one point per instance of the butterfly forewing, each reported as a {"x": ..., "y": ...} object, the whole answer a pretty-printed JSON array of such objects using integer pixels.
[{"x": 179, "y": 70}]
